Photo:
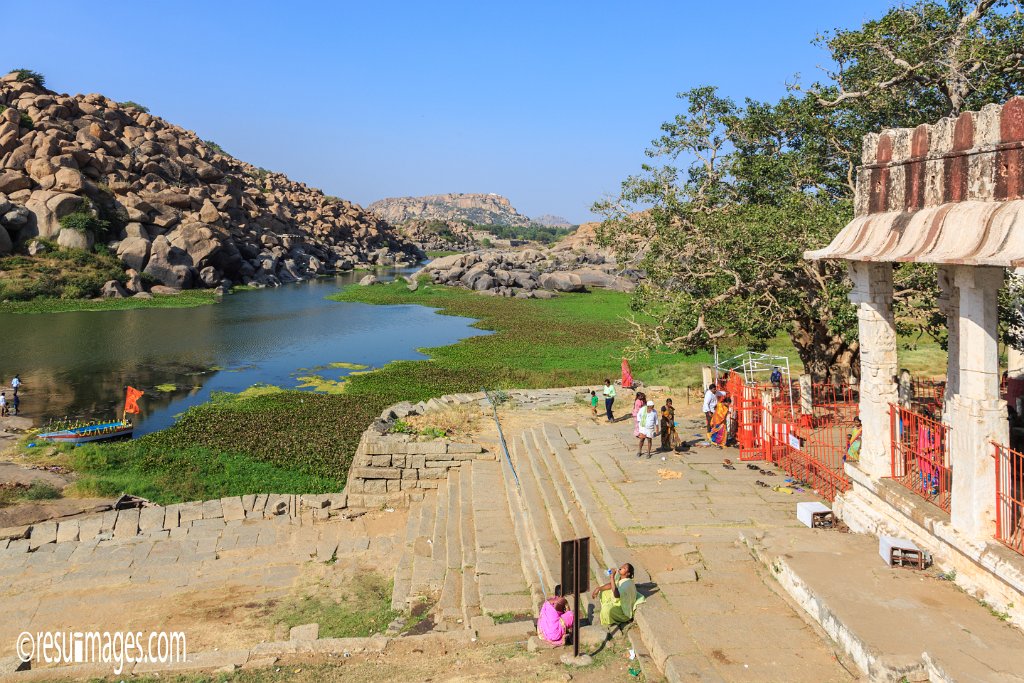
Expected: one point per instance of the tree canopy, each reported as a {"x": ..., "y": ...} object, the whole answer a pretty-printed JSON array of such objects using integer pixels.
[{"x": 736, "y": 192}]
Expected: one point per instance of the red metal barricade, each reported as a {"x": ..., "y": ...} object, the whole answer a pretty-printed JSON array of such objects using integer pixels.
[
  {"x": 1010, "y": 497},
  {"x": 746, "y": 399},
  {"x": 919, "y": 446},
  {"x": 812, "y": 455}
]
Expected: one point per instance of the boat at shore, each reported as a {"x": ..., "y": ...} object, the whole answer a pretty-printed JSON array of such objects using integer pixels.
[
  {"x": 94, "y": 432},
  {"x": 100, "y": 431}
]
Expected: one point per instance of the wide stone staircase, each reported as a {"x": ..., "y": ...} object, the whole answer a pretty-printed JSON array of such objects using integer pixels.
[{"x": 462, "y": 555}]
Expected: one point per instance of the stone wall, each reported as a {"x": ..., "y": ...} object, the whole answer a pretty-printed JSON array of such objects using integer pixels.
[{"x": 392, "y": 469}]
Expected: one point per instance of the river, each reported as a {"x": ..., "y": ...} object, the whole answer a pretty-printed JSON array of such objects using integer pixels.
[{"x": 77, "y": 364}]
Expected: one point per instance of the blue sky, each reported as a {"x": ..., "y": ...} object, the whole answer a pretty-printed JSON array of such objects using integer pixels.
[{"x": 549, "y": 103}]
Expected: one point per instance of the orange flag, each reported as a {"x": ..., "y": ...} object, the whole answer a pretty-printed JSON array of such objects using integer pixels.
[{"x": 131, "y": 400}]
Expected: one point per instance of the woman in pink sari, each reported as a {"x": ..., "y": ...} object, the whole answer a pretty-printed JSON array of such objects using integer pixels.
[
  {"x": 555, "y": 620},
  {"x": 640, "y": 402}
]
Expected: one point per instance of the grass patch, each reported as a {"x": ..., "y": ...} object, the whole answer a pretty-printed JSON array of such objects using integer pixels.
[
  {"x": 168, "y": 475},
  {"x": 509, "y": 617},
  {"x": 441, "y": 254},
  {"x": 186, "y": 299},
  {"x": 366, "y": 612},
  {"x": 37, "y": 490}
]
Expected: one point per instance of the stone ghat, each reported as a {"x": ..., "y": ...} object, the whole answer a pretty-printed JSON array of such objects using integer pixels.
[
  {"x": 395, "y": 469},
  {"x": 176, "y": 520}
]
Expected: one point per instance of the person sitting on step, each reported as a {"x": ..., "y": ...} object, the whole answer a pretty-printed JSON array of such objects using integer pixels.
[
  {"x": 555, "y": 620},
  {"x": 619, "y": 598}
]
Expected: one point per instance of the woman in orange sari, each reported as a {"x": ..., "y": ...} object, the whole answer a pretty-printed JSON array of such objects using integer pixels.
[{"x": 718, "y": 422}]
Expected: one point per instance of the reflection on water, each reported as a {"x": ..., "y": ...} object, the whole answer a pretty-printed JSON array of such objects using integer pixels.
[{"x": 77, "y": 364}]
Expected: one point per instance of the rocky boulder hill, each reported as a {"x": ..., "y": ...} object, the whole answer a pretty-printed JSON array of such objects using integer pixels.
[
  {"x": 527, "y": 273},
  {"x": 480, "y": 209},
  {"x": 171, "y": 206},
  {"x": 438, "y": 235},
  {"x": 583, "y": 239}
]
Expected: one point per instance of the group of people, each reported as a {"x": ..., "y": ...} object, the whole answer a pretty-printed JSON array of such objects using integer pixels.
[
  {"x": 619, "y": 599},
  {"x": 647, "y": 420},
  {"x": 11, "y": 407}
]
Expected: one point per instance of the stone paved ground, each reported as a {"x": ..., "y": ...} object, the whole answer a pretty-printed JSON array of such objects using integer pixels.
[
  {"x": 212, "y": 580},
  {"x": 714, "y": 614}
]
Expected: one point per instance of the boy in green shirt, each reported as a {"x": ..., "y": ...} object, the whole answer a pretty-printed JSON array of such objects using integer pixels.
[{"x": 593, "y": 403}]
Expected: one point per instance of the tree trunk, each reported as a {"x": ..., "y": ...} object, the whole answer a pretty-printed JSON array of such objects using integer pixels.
[{"x": 827, "y": 357}]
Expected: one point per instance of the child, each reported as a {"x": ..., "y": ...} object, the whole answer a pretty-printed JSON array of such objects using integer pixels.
[
  {"x": 3, "y": 404},
  {"x": 593, "y": 403}
]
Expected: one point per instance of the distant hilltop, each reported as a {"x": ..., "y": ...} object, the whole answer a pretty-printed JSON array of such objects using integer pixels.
[
  {"x": 479, "y": 209},
  {"x": 552, "y": 221}
]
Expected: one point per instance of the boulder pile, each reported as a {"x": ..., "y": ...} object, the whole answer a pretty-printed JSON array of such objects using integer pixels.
[
  {"x": 527, "y": 273},
  {"x": 171, "y": 206},
  {"x": 438, "y": 235}
]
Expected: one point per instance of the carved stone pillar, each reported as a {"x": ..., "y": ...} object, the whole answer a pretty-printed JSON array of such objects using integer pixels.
[
  {"x": 977, "y": 415},
  {"x": 872, "y": 294}
]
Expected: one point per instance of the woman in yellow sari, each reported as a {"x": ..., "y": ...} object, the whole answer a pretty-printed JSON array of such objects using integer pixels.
[
  {"x": 718, "y": 422},
  {"x": 853, "y": 442}
]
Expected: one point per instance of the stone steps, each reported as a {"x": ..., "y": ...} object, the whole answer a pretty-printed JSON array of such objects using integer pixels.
[
  {"x": 423, "y": 545},
  {"x": 470, "y": 587},
  {"x": 544, "y": 538},
  {"x": 499, "y": 575},
  {"x": 669, "y": 641},
  {"x": 403, "y": 572},
  {"x": 568, "y": 506}
]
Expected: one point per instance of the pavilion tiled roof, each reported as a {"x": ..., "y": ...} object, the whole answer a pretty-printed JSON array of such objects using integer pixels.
[{"x": 948, "y": 193}]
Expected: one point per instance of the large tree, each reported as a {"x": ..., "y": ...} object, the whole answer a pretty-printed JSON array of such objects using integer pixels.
[{"x": 735, "y": 193}]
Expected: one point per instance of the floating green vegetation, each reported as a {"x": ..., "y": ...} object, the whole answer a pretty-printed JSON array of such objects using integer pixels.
[
  {"x": 166, "y": 388},
  {"x": 259, "y": 390},
  {"x": 347, "y": 366},
  {"x": 321, "y": 384}
]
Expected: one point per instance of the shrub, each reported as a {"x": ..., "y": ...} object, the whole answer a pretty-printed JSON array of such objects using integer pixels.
[
  {"x": 30, "y": 75},
  {"x": 128, "y": 104},
  {"x": 85, "y": 221},
  {"x": 215, "y": 147},
  {"x": 26, "y": 121}
]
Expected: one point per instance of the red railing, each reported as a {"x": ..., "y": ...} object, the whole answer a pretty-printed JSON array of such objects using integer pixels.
[
  {"x": 919, "y": 445},
  {"x": 813, "y": 456},
  {"x": 1010, "y": 497},
  {"x": 928, "y": 395}
]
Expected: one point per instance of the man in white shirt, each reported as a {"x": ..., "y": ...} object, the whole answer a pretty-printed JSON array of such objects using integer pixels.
[
  {"x": 710, "y": 403},
  {"x": 15, "y": 383}
]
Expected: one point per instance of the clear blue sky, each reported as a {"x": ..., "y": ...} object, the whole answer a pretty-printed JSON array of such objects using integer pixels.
[{"x": 549, "y": 103}]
